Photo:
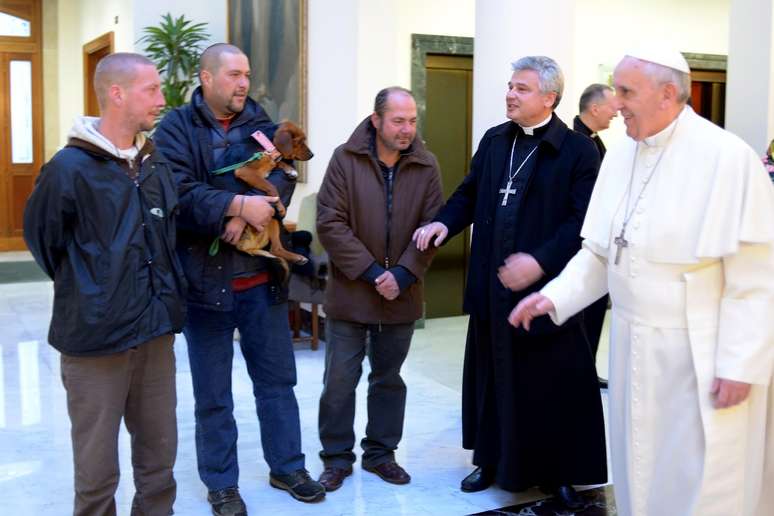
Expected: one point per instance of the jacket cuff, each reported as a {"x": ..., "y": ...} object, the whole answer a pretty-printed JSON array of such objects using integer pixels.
[
  {"x": 371, "y": 273},
  {"x": 403, "y": 276}
]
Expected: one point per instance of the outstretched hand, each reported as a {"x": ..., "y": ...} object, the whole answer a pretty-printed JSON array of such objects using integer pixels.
[
  {"x": 423, "y": 235},
  {"x": 534, "y": 305}
]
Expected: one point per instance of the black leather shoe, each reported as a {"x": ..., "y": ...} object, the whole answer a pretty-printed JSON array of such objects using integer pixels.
[
  {"x": 480, "y": 479},
  {"x": 569, "y": 497}
]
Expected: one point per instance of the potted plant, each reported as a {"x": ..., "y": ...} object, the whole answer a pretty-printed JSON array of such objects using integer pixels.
[{"x": 175, "y": 45}]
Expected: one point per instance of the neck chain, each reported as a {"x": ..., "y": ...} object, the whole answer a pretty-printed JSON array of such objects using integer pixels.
[
  {"x": 620, "y": 241},
  {"x": 508, "y": 190}
]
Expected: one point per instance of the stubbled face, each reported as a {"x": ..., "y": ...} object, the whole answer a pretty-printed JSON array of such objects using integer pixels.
[
  {"x": 397, "y": 127},
  {"x": 144, "y": 99},
  {"x": 604, "y": 111},
  {"x": 225, "y": 90},
  {"x": 525, "y": 104},
  {"x": 640, "y": 100}
]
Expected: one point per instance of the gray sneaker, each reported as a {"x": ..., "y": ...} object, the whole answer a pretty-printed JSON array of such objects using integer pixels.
[
  {"x": 227, "y": 502},
  {"x": 300, "y": 485}
]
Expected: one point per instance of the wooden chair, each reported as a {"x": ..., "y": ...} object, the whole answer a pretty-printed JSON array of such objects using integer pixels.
[{"x": 304, "y": 289}]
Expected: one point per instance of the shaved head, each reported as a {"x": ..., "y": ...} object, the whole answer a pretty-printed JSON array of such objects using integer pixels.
[
  {"x": 211, "y": 58},
  {"x": 119, "y": 68}
]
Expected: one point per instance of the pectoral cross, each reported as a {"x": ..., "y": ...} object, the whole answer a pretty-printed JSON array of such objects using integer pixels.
[
  {"x": 620, "y": 243},
  {"x": 507, "y": 191}
]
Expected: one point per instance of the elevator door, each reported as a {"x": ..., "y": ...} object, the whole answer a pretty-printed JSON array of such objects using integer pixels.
[{"x": 447, "y": 133}]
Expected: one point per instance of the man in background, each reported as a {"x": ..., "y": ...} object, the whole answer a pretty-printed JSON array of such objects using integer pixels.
[{"x": 596, "y": 110}]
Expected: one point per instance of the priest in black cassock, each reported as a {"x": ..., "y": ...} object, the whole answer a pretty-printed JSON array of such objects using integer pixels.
[
  {"x": 531, "y": 408},
  {"x": 596, "y": 109}
]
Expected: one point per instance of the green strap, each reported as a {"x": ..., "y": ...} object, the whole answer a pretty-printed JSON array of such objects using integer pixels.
[
  {"x": 215, "y": 245},
  {"x": 257, "y": 155}
]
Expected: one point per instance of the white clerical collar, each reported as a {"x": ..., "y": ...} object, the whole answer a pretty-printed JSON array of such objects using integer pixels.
[
  {"x": 531, "y": 129},
  {"x": 660, "y": 138}
]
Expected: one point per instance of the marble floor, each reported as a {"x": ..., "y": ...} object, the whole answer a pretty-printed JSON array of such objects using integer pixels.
[{"x": 35, "y": 455}]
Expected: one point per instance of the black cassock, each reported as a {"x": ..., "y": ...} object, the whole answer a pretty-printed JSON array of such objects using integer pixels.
[{"x": 530, "y": 400}]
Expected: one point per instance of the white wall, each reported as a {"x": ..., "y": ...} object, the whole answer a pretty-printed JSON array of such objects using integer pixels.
[
  {"x": 356, "y": 48},
  {"x": 50, "y": 78},
  {"x": 587, "y": 38},
  {"x": 80, "y": 21},
  {"x": 750, "y": 88},
  {"x": 332, "y": 86},
  {"x": 606, "y": 28},
  {"x": 213, "y": 12},
  {"x": 505, "y": 31}
]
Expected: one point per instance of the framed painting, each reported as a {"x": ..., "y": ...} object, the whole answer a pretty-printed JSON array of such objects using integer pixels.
[{"x": 273, "y": 35}]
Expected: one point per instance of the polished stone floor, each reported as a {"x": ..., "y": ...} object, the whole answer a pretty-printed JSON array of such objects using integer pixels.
[{"x": 35, "y": 455}]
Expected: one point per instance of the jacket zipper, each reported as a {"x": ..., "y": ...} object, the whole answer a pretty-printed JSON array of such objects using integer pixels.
[
  {"x": 389, "y": 185},
  {"x": 145, "y": 230}
]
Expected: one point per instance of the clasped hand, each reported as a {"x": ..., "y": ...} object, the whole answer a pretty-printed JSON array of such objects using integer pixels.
[
  {"x": 387, "y": 286},
  {"x": 519, "y": 272}
]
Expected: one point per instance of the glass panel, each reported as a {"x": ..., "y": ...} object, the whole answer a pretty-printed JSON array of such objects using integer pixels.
[
  {"x": 21, "y": 112},
  {"x": 13, "y": 26}
]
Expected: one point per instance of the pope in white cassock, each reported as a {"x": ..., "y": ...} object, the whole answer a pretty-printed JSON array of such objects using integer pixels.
[{"x": 680, "y": 232}]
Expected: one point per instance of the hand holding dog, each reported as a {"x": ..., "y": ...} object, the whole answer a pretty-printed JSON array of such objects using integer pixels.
[
  {"x": 233, "y": 230},
  {"x": 387, "y": 286},
  {"x": 257, "y": 210}
]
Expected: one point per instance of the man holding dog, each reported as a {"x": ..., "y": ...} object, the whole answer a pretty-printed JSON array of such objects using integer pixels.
[
  {"x": 229, "y": 289},
  {"x": 101, "y": 223},
  {"x": 379, "y": 187}
]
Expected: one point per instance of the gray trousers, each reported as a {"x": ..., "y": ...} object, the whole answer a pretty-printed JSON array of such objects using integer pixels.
[
  {"x": 138, "y": 386},
  {"x": 346, "y": 344}
]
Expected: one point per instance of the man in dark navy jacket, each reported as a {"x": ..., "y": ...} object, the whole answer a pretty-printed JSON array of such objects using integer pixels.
[
  {"x": 101, "y": 224},
  {"x": 531, "y": 409},
  {"x": 229, "y": 289}
]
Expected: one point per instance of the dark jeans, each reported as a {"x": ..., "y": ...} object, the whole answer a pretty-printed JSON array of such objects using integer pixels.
[
  {"x": 268, "y": 352},
  {"x": 346, "y": 344},
  {"x": 138, "y": 386}
]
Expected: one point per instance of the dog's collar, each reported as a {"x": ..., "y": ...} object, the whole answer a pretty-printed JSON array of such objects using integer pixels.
[
  {"x": 267, "y": 144},
  {"x": 263, "y": 141}
]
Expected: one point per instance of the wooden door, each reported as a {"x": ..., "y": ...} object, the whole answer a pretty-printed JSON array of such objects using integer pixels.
[
  {"x": 447, "y": 132},
  {"x": 93, "y": 51},
  {"x": 708, "y": 94},
  {"x": 21, "y": 114}
]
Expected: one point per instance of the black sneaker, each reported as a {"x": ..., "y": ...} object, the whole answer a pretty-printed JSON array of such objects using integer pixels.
[
  {"x": 300, "y": 485},
  {"x": 227, "y": 502}
]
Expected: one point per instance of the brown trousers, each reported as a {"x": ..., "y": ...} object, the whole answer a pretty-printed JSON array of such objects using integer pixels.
[{"x": 137, "y": 385}]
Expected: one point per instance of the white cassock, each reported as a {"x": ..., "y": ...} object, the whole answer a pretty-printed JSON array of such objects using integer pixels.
[{"x": 693, "y": 299}]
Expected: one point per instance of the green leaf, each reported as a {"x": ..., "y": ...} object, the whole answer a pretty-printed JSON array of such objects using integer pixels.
[{"x": 175, "y": 45}]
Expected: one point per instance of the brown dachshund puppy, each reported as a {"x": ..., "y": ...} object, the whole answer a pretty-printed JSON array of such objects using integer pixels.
[{"x": 290, "y": 141}]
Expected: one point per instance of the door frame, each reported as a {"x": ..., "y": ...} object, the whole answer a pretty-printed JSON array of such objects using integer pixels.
[
  {"x": 421, "y": 45},
  {"x": 96, "y": 45},
  {"x": 31, "y": 49}
]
